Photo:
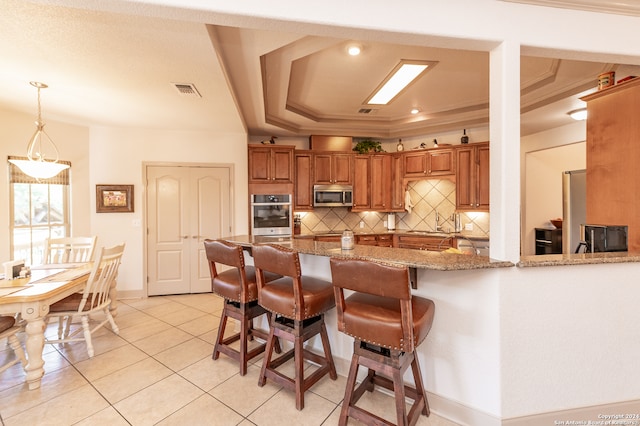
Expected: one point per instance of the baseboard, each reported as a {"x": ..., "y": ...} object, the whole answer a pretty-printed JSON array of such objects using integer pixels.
[
  {"x": 131, "y": 294},
  {"x": 622, "y": 413}
]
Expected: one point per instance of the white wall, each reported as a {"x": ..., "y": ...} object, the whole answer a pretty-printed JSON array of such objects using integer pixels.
[
  {"x": 73, "y": 143},
  {"x": 117, "y": 157}
]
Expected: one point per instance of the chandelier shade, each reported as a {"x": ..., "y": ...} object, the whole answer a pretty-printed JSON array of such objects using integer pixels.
[{"x": 36, "y": 165}]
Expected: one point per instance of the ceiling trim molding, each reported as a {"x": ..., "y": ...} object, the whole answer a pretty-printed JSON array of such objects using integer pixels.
[{"x": 618, "y": 8}]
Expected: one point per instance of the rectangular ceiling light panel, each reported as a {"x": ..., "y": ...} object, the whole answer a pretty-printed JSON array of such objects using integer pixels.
[{"x": 403, "y": 74}]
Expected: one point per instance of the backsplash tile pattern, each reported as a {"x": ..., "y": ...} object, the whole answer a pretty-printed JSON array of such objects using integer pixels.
[{"x": 428, "y": 196}]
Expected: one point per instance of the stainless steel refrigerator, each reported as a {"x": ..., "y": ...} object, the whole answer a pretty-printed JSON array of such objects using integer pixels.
[{"x": 574, "y": 208}]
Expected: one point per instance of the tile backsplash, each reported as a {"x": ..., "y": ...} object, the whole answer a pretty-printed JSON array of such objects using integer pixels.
[{"x": 427, "y": 196}]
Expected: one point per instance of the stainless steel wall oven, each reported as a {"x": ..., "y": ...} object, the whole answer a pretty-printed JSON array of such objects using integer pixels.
[{"x": 271, "y": 214}]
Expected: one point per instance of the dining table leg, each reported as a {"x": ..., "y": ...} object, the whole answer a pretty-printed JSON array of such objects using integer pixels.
[{"x": 34, "y": 345}]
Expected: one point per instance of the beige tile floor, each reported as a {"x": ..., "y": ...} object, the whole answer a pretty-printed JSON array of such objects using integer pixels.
[{"x": 159, "y": 371}]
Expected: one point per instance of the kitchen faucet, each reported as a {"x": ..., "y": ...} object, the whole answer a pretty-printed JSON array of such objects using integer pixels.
[{"x": 438, "y": 227}]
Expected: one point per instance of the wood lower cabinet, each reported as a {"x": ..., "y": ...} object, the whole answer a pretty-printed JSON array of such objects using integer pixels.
[
  {"x": 268, "y": 164},
  {"x": 472, "y": 177},
  {"x": 424, "y": 242},
  {"x": 380, "y": 240},
  {"x": 385, "y": 240},
  {"x": 368, "y": 240},
  {"x": 332, "y": 168},
  {"x": 303, "y": 186}
]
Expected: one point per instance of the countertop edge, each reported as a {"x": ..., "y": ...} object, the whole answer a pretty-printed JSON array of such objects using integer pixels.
[
  {"x": 420, "y": 259},
  {"x": 577, "y": 259}
]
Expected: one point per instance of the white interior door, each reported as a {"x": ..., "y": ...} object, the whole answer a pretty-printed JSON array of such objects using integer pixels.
[{"x": 185, "y": 205}]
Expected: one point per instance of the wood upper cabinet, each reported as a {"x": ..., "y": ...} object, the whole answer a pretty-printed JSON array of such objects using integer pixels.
[
  {"x": 362, "y": 184},
  {"x": 415, "y": 164},
  {"x": 332, "y": 168},
  {"x": 303, "y": 186},
  {"x": 427, "y": 163},
  {"x": 271, "y": 164},
  {"x": 397, "y": 184},
  {"x": 472, "y": 177},
  {"x": 372, "y": 183},
  {"x": 381, "y": 183}
]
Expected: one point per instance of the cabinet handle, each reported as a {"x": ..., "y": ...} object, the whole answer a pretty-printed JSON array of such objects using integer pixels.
[{"x": 184, "y": 237}]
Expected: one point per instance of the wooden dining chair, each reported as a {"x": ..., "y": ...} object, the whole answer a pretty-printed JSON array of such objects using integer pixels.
[
  {"x": 8, "y": 330},
  {"x": 69, "y": 249},
  {"x": 95, "y": 299}
]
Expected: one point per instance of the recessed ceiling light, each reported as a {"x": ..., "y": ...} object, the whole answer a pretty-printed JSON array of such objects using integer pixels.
[
  {"x": 354, "y": 49},
  {"x": 578, "y": 114},
  {"x": 402, "y": 75},
  {"x": 415, "y": 110}
]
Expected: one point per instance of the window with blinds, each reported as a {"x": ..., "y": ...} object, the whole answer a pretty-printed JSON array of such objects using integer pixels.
[{"x": 39, "y": 209}]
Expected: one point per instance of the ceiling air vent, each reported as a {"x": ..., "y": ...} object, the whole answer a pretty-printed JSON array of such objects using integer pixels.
[
  {"x": 187, "y": 89},
  {"x": 367, "y": 111}
]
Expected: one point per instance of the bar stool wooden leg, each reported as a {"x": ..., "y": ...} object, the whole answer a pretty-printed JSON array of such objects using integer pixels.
[
  {"x": 417, "y": 379},
  {"x": 327, "y": 352},
  {"x": 299, "y": 371},
  {"x": 221, "y": 328},
  {"x": 245, "y": 327},
  {"x": 398, "y": 390},
  {"x": 268, "y": 352},
  {"x": 349, "y": 390}
]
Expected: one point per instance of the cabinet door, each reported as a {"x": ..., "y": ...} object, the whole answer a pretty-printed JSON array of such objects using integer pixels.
[
  {"x": 483, "y": 178},
  {"x": 341, "y": 168},
  {"x": 259, "y": 164},
  {"x": 397, "y": 187},
  {"x": 385, "y": 240},
  {"x": 303, "y": 186},
  {"x": 282, "y": 165},
  {"x": 271, "y": 165},
  {"x": 440, "y": 162},
  {"x": 415, "y": 164},
  {"x": 381, "y": 183},
  {"x": 472, "y": 177},
  {"x": 465, "y": 180},
  {"x": 361, "y": 179},
  {"x": 322, "y": 169}
]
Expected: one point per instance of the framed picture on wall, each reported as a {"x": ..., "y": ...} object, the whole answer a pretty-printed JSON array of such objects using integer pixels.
[{"x": 114, "y": 198}]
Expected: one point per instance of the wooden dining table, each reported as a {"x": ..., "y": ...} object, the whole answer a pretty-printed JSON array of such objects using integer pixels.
[{"x": 31, "y": 298}]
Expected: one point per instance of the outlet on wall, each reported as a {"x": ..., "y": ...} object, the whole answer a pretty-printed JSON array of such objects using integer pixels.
[
  {"x": 468, "y": 226},
  {"x": 362, "y": 224}
]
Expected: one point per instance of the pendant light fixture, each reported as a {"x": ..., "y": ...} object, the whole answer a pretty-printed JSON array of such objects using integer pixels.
[{"x": 37, "y": 166}]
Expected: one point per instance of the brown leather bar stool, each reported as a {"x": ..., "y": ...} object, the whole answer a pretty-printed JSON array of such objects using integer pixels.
[
  {"x": 299, "y": 303},
  {"x": 240, "y": 292},
  {"x": 388, "y": 324}
]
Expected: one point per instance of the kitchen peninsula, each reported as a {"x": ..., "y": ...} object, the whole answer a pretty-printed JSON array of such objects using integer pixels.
[{"x": 460, "y": 355}]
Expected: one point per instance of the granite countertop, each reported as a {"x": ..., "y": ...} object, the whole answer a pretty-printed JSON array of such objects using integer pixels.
[
  {"x": 578, "y": 259},
  {"x": 420, "y": 259}
]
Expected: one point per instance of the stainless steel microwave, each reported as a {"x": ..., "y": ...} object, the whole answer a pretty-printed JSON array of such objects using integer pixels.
[
  {"x": 332, "y": 195},
  {"x": 603, "y": 238}
]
